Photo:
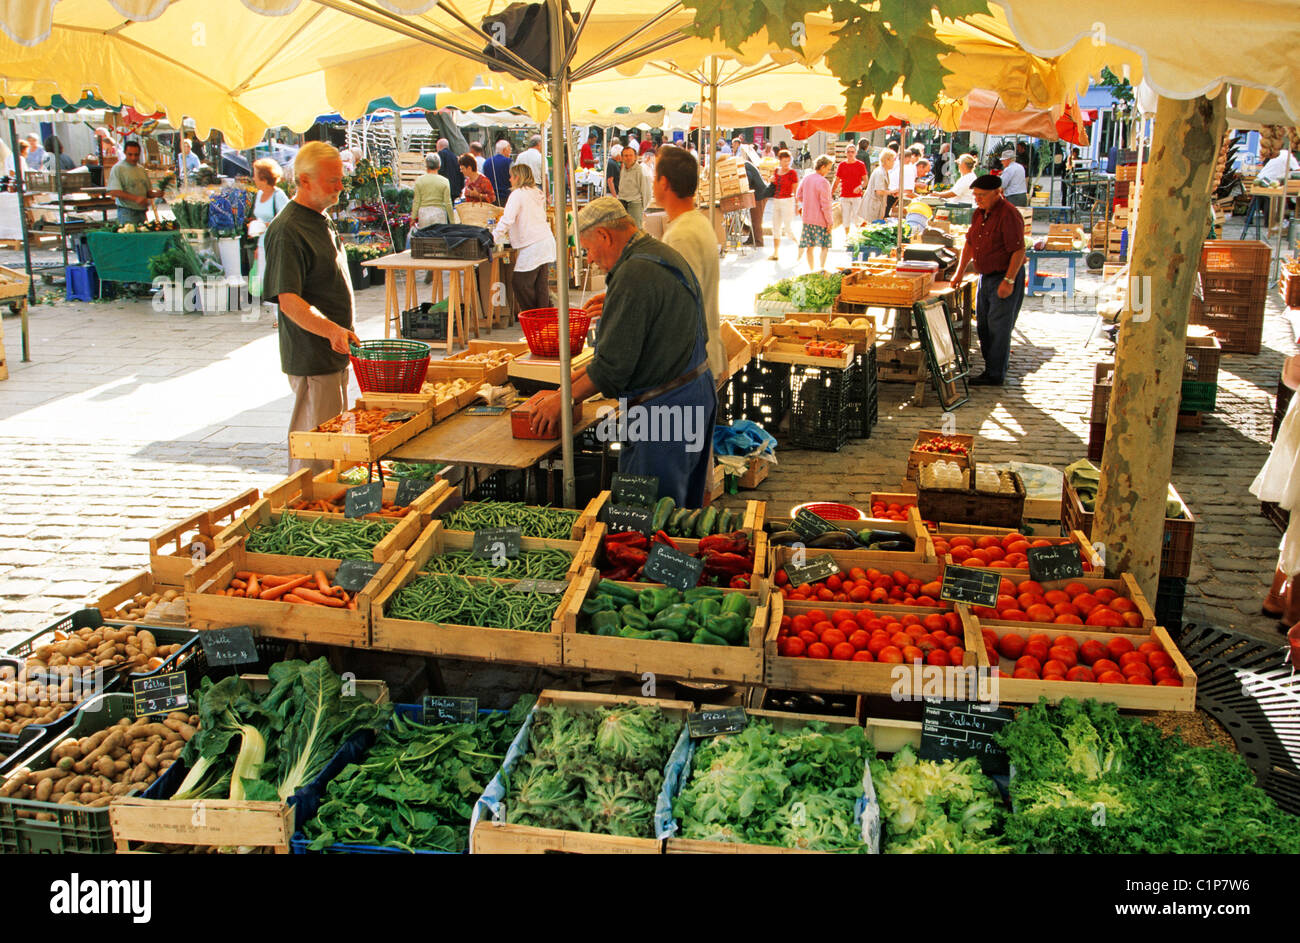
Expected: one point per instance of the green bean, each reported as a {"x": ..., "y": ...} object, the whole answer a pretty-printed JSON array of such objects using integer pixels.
[
  {"x": 458, "y": 601},
  {"x": 296, "y": 536},
  {"x": 546, "y": 522},
  {"x": 530, "y": 564}
]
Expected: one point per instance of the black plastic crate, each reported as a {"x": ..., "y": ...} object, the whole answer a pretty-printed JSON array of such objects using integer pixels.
[
  {"x": 864, "y": 395},
  {"x": 423, "y": 323},
  {"x": 822, "y": 407},
  {"x": 436, "y": 247},
  {"x": 505, "y": 485},
  {"x": 593, "y": 473},
  {"x": 269, "y": 651},
  {"x": 759, "y": 393},
  {"x": 1171, "y": 592}
]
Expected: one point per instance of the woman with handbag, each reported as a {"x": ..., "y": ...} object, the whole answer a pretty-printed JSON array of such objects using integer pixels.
[{"x": 270, "y": 200}]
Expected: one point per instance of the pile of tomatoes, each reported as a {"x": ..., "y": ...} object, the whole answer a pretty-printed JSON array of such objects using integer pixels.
[
  {"x": 1073, "y": 604},
  {"x": 934, "y": 639},
  {"x": 942, "y": 446},
  {"x": 865, "y": 586},
  {"x": 1010, "y": 551},
  {"x": 890, "y": 512},
  {"x": 1116, "y": 661},
  {"x": 824, "y": 349}
]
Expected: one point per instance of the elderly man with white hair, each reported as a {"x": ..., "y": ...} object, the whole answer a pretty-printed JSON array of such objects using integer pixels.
[
  {"x": 651, "y": 354},
  {"x": 531, "y": 156},
  {"x": 497, "y": 169},
  {"x": 1014, "y": 187},
  {"x": 451, "y": 169},
  {"x": 307, "y": 276}
]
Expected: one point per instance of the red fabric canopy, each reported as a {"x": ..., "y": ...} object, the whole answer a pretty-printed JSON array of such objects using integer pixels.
[{"x": 863, "y": 121}]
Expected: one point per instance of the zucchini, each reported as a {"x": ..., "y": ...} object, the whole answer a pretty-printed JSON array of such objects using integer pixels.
[
  {"x": 663, "y": 510},
  {"x": 704, "y": 526},
  {"x": 676, "y": 520},
  {"x": 690, "y": 522}
]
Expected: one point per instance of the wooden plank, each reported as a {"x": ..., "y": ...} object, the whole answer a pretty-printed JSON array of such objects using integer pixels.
[
  {"x": 220, "y": 822},
  {"x": 170, "y": 566},
  {"x": 780, "y": 351}
]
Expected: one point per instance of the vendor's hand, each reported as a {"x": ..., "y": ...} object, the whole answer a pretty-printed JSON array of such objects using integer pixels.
[
  {"x": 1004, "y": 289},
  {"x": 958, "y": 277},
  {"x": 546, "y": 416},
  {"x": 340, "y": 338},
  {"x": 595, "y": 305}
]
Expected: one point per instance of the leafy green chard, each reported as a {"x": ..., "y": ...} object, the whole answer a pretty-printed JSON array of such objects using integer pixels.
[
  {"x": 794, "y": 790},
  {"x": 937, "y": 807}
]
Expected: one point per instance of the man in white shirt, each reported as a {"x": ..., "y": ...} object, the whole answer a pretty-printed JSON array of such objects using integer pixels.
[
  {"x": 677, "y": 174},
  {"x": 1013, "y": 180},
  {"x": 532, "y": 156},
  {"x": 1277, "y": 169},
  {"x": 476, "y": 149}
]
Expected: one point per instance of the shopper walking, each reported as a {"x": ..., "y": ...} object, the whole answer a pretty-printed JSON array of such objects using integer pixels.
[
  {"x": 814, "y": 201},
  {"x": 268, "y": 203},
  {"x": 785, "y": 180},
  {"x": 849, "y": 177},
  {"x": 633, "y": 187},
  {"x": 524, "y": 224},
  {"x": 1014, "y": 189}
]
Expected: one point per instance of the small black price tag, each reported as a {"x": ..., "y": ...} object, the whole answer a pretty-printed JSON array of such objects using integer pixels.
[
  {"x": 232, "y": 645},
  {"x": 399, "y": 415},
  {"x": 363, "y": 499},
  {"x": 1061, "y": 562},
  {"x": 486, "y": 410},
  {"x": 408, "y": 489},
  {"x": 958, "y": 729},
  {"x": 496, "y": 541},
  {"x": 673, "y": 568},
  {"x": 970, "y": 585},
  {"x": 444, "y": 709},
  {"x": 808, "y": 525},
  {"x": 714, "y": 722},
  {"x": 816, "y": 570},
  {"x": 620, "y": 518},
  {"x": 353, "y": 575},
  {"x": 638, "y": 490},
  {"x": 159, "y": 694},
  {"x": 545, "y": 587}
]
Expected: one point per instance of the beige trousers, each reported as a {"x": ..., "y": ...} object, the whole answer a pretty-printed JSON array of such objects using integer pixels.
[{"x": 316, "y": 399}]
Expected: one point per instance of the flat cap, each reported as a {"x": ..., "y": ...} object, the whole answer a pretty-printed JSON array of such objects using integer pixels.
[
  {"x": 601, "y": 212},
  {"x": 987, "y": 182}
]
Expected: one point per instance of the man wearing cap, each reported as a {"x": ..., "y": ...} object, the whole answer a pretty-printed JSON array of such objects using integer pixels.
[
  {"x": 651, "y": 354},
  {"x": 995, "y": 244},
  {"x": 1013, "y": 180}
]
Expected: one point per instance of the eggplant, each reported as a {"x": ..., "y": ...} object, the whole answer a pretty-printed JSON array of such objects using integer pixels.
[
  {"x": 784, "y": 538},
  {"x": 833, "y": 540},
  {"x": 894, "y": 545}
]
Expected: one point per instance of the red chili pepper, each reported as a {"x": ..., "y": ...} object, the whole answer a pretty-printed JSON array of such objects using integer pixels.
[
  {"x": 728, "y": 563},
  {"x": 739, "y": 582},
  {"x": 624, "y": 555},
  {"x": 737, "y": 542},
  {"x": 620, "y": 574},
  {"x": 632, "y": 538},
  {"x": 662, "y": 538}
]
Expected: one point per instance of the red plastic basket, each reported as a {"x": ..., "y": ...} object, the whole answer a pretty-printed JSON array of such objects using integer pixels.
[
  {"x": 830, "y": 511},
  {"x": 542, "y": 331},
  {"x": 390, "y": 366}
]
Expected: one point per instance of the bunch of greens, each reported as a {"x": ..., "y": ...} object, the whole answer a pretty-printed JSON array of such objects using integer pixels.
[
  {"x": 597, "y": 771},
  {"x": 191, "y": 214},
  {"x": 295, "y": 536},
  {"x": 1090, "y": 781},
  {"x": 425, "y": 471},
  {"x": 177, "y": 255},
  {"x": 267, "y": 747},
  {"x": 793, "y": 790},
  {"x": 815, "y": 291},
  {"x": 417, "y": 785},
  {"x": 929, "y": 807},
  {"x": 880, "y": 236}
]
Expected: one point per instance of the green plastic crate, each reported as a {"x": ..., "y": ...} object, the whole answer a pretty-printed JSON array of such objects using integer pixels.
[{"x": 1199, "y": 397}]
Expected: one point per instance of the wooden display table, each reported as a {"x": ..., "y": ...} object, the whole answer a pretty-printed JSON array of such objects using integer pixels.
[{"x": 464, "y": 307}]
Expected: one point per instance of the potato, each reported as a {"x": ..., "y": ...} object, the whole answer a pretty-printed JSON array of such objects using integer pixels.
[{"x": 44, "y": 789}]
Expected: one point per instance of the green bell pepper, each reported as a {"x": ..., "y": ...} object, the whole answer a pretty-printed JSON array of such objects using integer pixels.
[
  {"x": 606, "y": 623},
  {"x": 610, "y": 588},
  {"x": 654, "y": 601},
  {"x": 599, "y": 604},
  {"x": 702, "y": 592},
  {"x": 705, "y": 637},
  {"x": 664, "y": 635},
  {"x": 635, "y": 633},
  {"x": 634, "y": 618},
  {"x": 737, "y": 603},
  {"x": 706, "y": 609},
  {"x": 728, "y": 626}
]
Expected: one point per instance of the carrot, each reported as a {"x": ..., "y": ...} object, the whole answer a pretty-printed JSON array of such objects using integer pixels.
[
  {"x": 275, "y": 592},
  {"x": 270, "y": 579},
  {"x": 243, "y": 575},
  {"x": 352, "y": 605},
  {"x": 252, "y": 589},
  {"x": 312, "y": 595},
  {"x": 238, "y": 584},
  {"x": 322, "y": 582},
  {"x": 293, "y": 598}
]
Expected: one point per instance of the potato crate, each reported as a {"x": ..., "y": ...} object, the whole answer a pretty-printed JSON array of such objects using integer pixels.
[
  {"x": 209, "y": 607},
  {"x": 1124, "y": 585},
  {"x": 1127, "y": 696},
  {"x": 867, "y": 814},
  {"x": 917, "y": 457},
  {"x": 174, "y": 550},
  {"x": 969, "y": 506},
  {"x": 491, "y": 835},
  {"x": 176, "y": 645},
  {"x": 1239, "y": 325},
  {"x": 1179, "y": 533},
  {"x": 358, "y": 447},
  {"x": 129, "y": 602},
  {"x": 880, "y": 283},
  {"x": 436, "y": 540},
  {"x": 496, "y": 375},
  {"x": 804, "y": 326},
  {"x": 260, "y": 515}
]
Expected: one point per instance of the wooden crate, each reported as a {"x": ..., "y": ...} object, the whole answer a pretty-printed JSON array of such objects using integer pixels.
[
  {"x": 174, "y": 550},
  {"x": 1061, "y": 236},
  {"x": 862, "y": 338},
  {"x": 1127, "y": 696},
  {"x": 497, "y": 375},
  {"x": 752, "y": 521},
  {"x": 410, "y": 168},
  {"x": 1123, "y": 585},
  {"x": 451, "y": 500},
  {"x": 234, "y": 823},
  {"x": 164, "y": 614},
  {"x": 732, "y": 663},
  {"x": 209, "y": 608},
  {"x": 392, "y": 546},
  {"x": 358, "y": 447},
  {"x": 879, "y": 283},
  {"x": 326, "y": 486},
  {"x": 900, "y": 361},
  {"x": 913, "y": 527},
  {"x": 861, "y": 677},
  {"x": 917, "y": 458},
  {"x": 779, "y": 350},
  {"x": 488, "y": 837},
  {"x": 1091, "y": 561},
  {"x": 1176, "y": 545},
  {"x": 887, "y": 561},
  {"x": 690, "y": 545},
  {"x": 435, "y": 539},
  {"x": 970, "y": 506}
]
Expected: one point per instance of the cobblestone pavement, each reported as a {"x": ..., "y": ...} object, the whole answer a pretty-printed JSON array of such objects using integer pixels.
[{"x": 129, "y": 419}]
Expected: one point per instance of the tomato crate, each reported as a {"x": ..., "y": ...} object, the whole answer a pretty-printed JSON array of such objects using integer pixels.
[
  {"x": 1238, "y": 323},
  {"x": 1123, "y": 586},
  {"x": 737, "y": 664},
  {"x": 392, "y": 545},
  {"x": 301, "y": 487},
  {"x": 779, "y": 350},
  {"x": 175, "y": 549},
  {"x": 943, "y": 540},
  {"x": 833, "y": 676},
  {"x": 1179, "y": 533},
  {"x": 490, "y": 834},
  {"x": 436, "y": 540},
  {"x": 210, "y": 607},
  {"x": 969, "y": 506},
  {"x": 917, "y": 457},
  {"x": 867, "y": 815},
  {"x": 142, "y": 598},
  {"x": 1128, "y": 696},
  {"x": 360, "y": 447},
  {"x": 882, "y": 503}
]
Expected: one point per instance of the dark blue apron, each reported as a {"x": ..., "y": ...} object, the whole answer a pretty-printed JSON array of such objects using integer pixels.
[{"x": 683, "y": 475}]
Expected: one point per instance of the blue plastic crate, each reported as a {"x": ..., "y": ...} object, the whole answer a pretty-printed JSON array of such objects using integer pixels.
[{"x": 80, "y": 283}]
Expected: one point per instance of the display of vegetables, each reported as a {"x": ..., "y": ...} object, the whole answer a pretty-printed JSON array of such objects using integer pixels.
[
  {"x": 1008, "y": 552},
  {"x": 304, "y": 589},
  {"x": 704, "y": 615},
  {"x": 120, "y": 760},
  {"x": 328, "y": 538},
  {"x": 138, "y": 606},
  {"x": 540, "y": 521},
  {"x": 882, "y": 237},
  {"x": 1089, "y": 780},
  {"x": 695, "y": 522},
  {"x": 1062, "y": 658},
  {"x": 942, "y": 446},
  {"x": 38, "y": 699},
  {"x": 833, "y": 349},
  {"x": 891, "y": 511},
  {"x": 459, "y": 601},
  {"x": 416, "y": 787},
  {"x": 937, "y": 807},
  {"x": 866, "y": 586},
  {"x": 191, "y": 214},
  {"x": 794, "y": 789},
  {"x": 1073, "y": 604},
  {"x": 125, "y": 648},
  {"x": 846, "y": 538},
  {"x": 597, "y": 771},
  {"x": 812, "y": 292},
  {"x": 369, "y": 422},
  {"x": 861, "y": 635},
  {"x": 264, "y": 748},
  {"x": 361, "y": 474},
  {"x": 530, "y": 564},
  {"x": 728, "y": 558},
  {"x": 336, "y": 505}
]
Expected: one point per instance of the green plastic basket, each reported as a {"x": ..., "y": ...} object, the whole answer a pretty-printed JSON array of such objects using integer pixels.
[{"x": 390, "y": 366}]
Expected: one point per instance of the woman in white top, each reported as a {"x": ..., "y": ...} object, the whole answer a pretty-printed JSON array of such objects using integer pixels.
[
  {"x": 961, "y": 189},
  {"x": 524, "y": 220},
  {"x": 270, "y": 200}
]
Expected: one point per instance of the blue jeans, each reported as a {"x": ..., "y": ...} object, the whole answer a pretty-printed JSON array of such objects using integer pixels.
[
  {"x": 995, "y": 319},
  {"x": 130, "y": 216}
]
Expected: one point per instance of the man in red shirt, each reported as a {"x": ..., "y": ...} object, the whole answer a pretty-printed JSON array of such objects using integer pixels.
[
  {"x": 849, "y": 176},
  {"x": 785, "y": 180},
  {"x": 586, "y": 154},
  {"x": 995, "y": 244}
]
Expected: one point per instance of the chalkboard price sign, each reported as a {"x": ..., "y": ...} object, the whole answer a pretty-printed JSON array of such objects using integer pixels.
[
  {"x": 637, "y": 490},
  {"x": 399, "y": 415},
  {"x": 969, "y": 585},
  {"x": 160, "y": 694},
  {"x": 958, "y": 729},
  {"x": 808, "y": 525},
  {"x": 353, "y": 575},
  {"x": 233, "y": 645},
  {"x": 1061, "y": 562},
  {"x": 408, "y": 489},
  {"x": 817, "y": 569},
  {"x": 621, "y": 518},
  {"x": 714, "y": 722},
  {"x": 673, "y": 568},
  {"x": 443, "y": 709},
  {"x": 363, "y": 499},
  {"x": 495, "y": 541}
]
